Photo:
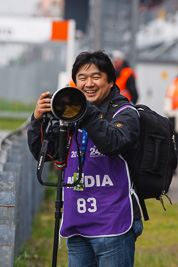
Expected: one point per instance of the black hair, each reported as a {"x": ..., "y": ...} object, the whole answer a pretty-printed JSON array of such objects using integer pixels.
[{"x": 100, "y": 59}]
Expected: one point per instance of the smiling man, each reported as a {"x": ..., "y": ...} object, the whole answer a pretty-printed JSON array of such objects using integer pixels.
[
  {"x": 93, "y": 83},
  {"x": 101, "y": 217}
]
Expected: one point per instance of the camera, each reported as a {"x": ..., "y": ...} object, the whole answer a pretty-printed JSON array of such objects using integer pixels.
[{"x": 68, "y": 104}]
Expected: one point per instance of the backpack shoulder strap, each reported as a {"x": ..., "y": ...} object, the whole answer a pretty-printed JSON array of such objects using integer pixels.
[{"x": 114, "y": 109}]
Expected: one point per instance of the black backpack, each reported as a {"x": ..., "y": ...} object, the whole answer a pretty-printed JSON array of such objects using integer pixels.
[{"x": 158, "y": 159}]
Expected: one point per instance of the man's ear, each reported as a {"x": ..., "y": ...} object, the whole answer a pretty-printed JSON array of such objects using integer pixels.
[{"x": 112, "y": 84}]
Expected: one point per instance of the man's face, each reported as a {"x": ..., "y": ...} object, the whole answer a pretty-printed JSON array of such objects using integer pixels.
[{"x": 93, "y": 83}]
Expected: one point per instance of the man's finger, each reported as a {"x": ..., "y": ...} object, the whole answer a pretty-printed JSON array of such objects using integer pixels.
[{"x": 43, "y": 95}]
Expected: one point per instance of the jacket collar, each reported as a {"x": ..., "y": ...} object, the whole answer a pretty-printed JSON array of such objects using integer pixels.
[{"x": 111, "y": 98}]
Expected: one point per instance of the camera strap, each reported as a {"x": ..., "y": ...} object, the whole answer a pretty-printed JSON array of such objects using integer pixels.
[
  {"x": 62, "y": 165},
  {"x": 41, "y": 160},
  {"x": 43, "y": 153},
  {"x": 44, "y": 134}
]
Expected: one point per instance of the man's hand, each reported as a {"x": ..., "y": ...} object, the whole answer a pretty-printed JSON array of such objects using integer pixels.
[{"x": 43, "y": 105}]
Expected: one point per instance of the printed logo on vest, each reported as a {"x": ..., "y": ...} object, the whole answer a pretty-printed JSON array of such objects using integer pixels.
[
  {"x": 93, "y": 181},
  {"x": 94, "y": 152}
]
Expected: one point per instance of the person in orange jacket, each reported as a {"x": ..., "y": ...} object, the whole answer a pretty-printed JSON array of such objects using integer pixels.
[
  {"x": 71, "y": 83},
  {"x": 171, "y": 106},
  {"x": 126, "y": 77}
]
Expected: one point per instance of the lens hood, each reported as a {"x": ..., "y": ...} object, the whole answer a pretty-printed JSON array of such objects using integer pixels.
[{"x": 68, "y": 104}]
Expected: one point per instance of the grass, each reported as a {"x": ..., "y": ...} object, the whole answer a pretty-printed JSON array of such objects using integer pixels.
[
  {"x": 13, "y": 107},
  {"x": 6, "y": 105},
  {"x": 10, "y": 124},
  {"x": 156, "y": 247},
  {"x": 38, "y": 251}
]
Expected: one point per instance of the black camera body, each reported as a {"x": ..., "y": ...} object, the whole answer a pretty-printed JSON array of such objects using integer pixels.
[
  {"x": 68, "y": 104},
  {"x": 49, "y": 96}
]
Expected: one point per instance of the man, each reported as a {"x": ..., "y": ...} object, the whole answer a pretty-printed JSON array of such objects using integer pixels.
[
  {"x": 125, "y": 76},
  {"x": 101, "y": 219}
]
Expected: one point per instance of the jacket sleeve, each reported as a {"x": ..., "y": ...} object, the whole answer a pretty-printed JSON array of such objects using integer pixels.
[
  {"x": 35, "y": 134},
  {"x": 115, "y": 137}
]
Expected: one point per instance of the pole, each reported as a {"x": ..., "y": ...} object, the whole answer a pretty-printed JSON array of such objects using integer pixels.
[
  {"x": 97, "y": 24},
  {"x": 65, "y": 76},
  {"x": 58, "y": 203},
  {"x": 134, "y": 25},
  {"x": 58, "y": 216},
  {"x": 70, "y": 46}
]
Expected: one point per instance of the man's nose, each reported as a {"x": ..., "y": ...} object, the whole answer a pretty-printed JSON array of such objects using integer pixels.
[{"x": 89, "y": 82}]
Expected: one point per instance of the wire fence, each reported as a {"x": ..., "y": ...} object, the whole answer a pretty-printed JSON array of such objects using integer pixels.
[{"x": 25, "y": 77}]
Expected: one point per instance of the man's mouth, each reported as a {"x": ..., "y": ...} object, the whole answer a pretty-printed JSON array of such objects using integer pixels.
[{"x": 90, "y": 92}]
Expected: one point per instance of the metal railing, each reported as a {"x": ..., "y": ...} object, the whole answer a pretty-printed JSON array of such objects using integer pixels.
[{"x": 20, "y": 193}]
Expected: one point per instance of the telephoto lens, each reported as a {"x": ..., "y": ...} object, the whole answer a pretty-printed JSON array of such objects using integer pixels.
[{"x": 68, "y": 104}]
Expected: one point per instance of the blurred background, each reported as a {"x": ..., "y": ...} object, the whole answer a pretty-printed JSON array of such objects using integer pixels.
[
  {"x": 32, "y": 62},
  {"x": 39, "y": 40}
]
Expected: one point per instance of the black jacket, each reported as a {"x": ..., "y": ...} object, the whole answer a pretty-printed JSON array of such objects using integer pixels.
[
  {"x": 119, "y": 136},
  {"x": 108, "y": 138}
]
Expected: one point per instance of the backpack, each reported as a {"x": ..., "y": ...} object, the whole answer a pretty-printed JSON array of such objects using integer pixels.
[{"x": 158, "y": 157}]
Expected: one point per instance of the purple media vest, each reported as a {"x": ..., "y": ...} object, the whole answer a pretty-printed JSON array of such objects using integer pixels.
[{"x": 103, "y": 206}]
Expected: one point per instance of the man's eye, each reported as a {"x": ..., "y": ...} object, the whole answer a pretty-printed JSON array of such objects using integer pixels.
[{"x": 96, "y": 77}]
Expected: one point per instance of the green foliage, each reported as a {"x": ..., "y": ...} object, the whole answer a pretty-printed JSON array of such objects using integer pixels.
[{"x": 21, "y": 261}]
